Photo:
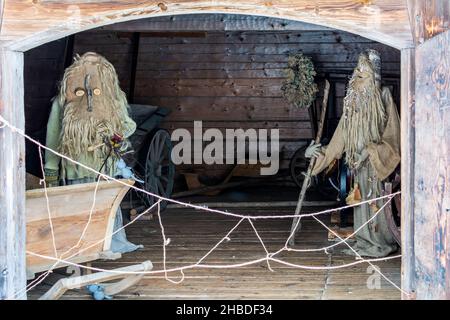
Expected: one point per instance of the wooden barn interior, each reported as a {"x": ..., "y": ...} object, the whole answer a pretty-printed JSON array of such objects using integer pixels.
[{"x": 225, "y": 70}]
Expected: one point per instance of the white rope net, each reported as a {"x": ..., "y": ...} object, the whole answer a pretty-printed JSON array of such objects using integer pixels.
[{"x": 64, "y": 258}]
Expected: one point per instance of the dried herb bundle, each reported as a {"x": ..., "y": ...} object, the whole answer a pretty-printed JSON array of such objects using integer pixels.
[{"x": 299, "y": 87}]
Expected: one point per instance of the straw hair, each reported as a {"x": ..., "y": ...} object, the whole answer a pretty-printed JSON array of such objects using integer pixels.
[
  {"x": 364, "y": 112},
  {"x": 81, "y": 128}
]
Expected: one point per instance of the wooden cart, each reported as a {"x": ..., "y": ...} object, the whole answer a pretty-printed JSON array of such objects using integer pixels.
[
  {"x": 152, "y": 152},
  {"x": 70, "y": 211}
]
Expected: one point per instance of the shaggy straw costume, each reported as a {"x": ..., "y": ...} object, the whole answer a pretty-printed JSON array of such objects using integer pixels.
[
  {"x": 369, "y": 135},
  {"x": 78, "y": 121},
  {"x": 73, "y": 129}
]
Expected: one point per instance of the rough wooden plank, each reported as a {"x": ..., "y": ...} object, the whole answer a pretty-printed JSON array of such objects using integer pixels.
[
  {"x": 212, "y": 87},
  {"x": 428, "y": 18},
  {"x": 309, "y": 48},
  {"x": 99, "y": 37},
  {"x": 220, "y": 108},
  {"x": 287, "y": 129},
  {"x": 12, "y": 177},
  {"x": 237, "y": 70},
  {"x": 408, "y": 83},
  {"x": 337, "y": 70},
  {"x": 260, "y": 37},
  {"x": 206, "y": 22},
  {"x": 2, "y": 6},
  {"x": 343, "y": 56},
  {"x": 287, "y": 149},
  {"x": 272, "y": 204},
  {"x": 431, "y": 169},
  {"x": 70, "y": 207},
  {"x": 27, "y": 25}
]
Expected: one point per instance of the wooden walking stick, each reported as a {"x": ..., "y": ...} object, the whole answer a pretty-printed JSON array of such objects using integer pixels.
[{"x": 296, "y": 222}]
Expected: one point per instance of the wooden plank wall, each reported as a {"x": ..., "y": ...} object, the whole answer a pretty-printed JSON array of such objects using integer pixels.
[
  {"x": 43, "y": 69},
  {"x": 232, "y": 79}
]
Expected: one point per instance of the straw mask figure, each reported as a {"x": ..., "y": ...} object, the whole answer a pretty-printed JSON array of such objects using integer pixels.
[
  {"x": 368, "y": 135},
  {"x": 88, "y": 116}
]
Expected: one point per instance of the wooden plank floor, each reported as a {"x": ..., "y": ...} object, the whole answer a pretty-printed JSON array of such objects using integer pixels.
[{"x": 192, "y": 234}]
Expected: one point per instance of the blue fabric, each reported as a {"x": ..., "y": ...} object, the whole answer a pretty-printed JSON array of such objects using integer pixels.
[
  {"x": 98, "y": 292},
  {"x": 119, "y": 242}
]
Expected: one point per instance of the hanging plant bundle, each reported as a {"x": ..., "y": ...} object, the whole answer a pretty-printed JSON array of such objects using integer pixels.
[{"x": 299, "y": 87}]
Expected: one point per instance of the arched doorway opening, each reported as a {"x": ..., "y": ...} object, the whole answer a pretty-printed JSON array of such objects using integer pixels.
[{"x": 173, "y": 44}]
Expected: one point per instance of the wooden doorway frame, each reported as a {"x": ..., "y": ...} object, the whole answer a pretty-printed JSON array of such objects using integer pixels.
[{"x": 12, "y": 220}]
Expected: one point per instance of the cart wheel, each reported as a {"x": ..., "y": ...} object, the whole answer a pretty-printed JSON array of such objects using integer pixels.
[
  {"x": 298, "y": 165},
  {"x": 159, "y": 168}
]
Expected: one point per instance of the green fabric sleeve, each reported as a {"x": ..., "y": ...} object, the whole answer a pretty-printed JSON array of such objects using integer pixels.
[{"x": 53, "y": 133}]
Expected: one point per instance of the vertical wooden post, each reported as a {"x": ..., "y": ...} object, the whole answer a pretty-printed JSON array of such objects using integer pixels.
[
  {"x": 429, "y": 271},
  {"x": 408, "y": 80},
  {"x": 68, "y": 52},
  {"x": 432, "y": 169},
  {"x": 12, "y": 177},
  {"x": 135, "y": 40}
]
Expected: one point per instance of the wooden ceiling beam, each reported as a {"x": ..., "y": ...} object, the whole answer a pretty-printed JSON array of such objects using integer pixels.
[{"x": 28, "y": 24}]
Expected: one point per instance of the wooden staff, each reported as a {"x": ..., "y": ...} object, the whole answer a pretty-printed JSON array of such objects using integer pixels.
[{"x": 296, "y": 222}]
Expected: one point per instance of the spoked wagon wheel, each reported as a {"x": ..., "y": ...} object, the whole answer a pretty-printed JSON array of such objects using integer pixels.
[
  {"x": 298, "y": 166},
  {"x": 159, "y": 169}
]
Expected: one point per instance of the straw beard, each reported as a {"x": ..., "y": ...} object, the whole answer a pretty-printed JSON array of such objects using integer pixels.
[
  {"x": 364, "y": 111},
  {"x": 81, "y": 128}
]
